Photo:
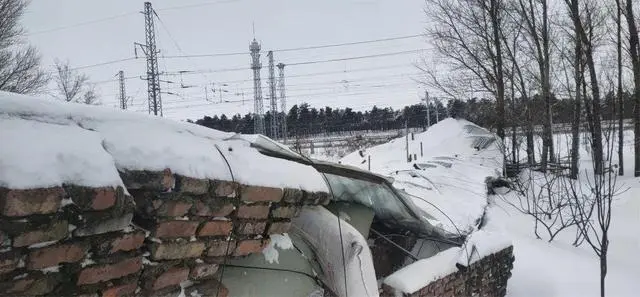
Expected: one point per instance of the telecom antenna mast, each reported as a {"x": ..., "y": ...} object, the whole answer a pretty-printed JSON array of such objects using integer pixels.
[
  {"x": 258, "y": 122},
  {"x": 283, "y": 102},
  {"x": 151, "y": 52},
  {"x": 274, "y": 98}
]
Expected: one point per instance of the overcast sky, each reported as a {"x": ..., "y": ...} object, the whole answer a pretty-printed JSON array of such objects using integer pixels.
[{"x": 91, "y": 32}]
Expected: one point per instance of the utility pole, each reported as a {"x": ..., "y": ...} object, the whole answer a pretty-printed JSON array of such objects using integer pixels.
[
  {"x": 283, "y": 102},
  {"x": 273, "y": 97},
  {"x": 258, "y": 122},
  {"x": 123, "y": 93},
  {"x": 426, "y": 102},
  {"x": 150, "y": 51}
]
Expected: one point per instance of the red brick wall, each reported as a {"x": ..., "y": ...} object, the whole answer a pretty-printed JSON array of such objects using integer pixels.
[
  {"x": 79, "y": 241},
  {"x": 485, "y": 278}
]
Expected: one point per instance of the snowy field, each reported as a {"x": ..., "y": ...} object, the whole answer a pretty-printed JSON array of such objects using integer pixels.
[
  {"x": 555, "y": 269},
  {"x": 560, "y": 269}
]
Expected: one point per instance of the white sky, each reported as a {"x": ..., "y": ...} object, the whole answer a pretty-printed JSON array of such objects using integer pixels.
[{"x": 225, "y": 26}]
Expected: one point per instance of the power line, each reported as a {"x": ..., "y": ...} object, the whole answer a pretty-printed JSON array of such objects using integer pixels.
[
  {"x": 355, "y": 58},
  {"x": 298, "y": 63},
  {"x": 82, "y": 23},
  {"x": 298, "y": 48},
  {"x": 196, "y": 5}
]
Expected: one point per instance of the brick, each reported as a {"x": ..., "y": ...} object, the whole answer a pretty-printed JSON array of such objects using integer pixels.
[
  {"x": 148, "y": 180},
  {"x": 285, "y": 212},
  {"x": 9, "y": 261},
  {"x": 121, "y": 290},
  {"x": 175, "y": 229},
  {"x": 261, "y": 194},
  {"x": 4, "y": 239},
  {"x": 251, "y": 228},
  {"x": 56, "y": 231},
  {"x": 104, "y": 226},
  {"x": 209, "y": 210},
  {"x": 208, "y": 288},
  {"x": 172, "y": 208},
  {"x": 224, "y": 188},
  {"x": 177, "y": 250},
  {"x": 203, "y": 271},
  {"x": 101, "y": 273},
  {"x": 18, "y": 203},
  {"x": 253, "y": 211},
  {"x": 172, "y": 277},
  {"x": 193, "y": 186},
  {"x": 247, "y": 247},
  {"x": 55, "y": 255},
  {"x": 127, "y": 242},
  {"x": 279, "y": 227},
  {"x": 216, "y": 228},
  {"x": 30, "y": 286},
  {"x": 94, "y": 198},
  {"x": 221, "y": 248},
  {"x": 294, "y": 196}
]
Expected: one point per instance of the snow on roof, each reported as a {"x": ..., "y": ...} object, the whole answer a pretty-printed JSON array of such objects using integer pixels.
[
  {"x": 48, "y": 142},
  {"x": 448, "y": 180}
]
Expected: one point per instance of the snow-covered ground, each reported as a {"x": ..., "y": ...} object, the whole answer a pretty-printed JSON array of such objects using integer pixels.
[{"x": 560, "y": 269}]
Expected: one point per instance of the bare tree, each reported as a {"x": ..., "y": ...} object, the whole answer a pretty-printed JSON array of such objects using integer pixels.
[
  {"x": 542, "y": 197},
  {"x": 20, "y": 70},
  {"x": 73, "y": 86},
  {"x": 586, "y": 33},
  {"x": 592, "y": 197},
  {"x": 619, "y": 93},
  {"x": 634, "y": 51},
  {"x": 467, "y": 34},
  {"x": 534, "y": 17}
]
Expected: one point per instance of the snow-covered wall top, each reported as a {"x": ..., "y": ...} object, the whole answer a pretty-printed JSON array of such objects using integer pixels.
[
  {"x": 446, "y": 173},
  {"x": 47, "y": 143}
]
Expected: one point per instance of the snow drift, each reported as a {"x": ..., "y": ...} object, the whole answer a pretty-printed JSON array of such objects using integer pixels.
[
  {"x": 446, "y": 174},
  {"x": 48, "y": 143}
]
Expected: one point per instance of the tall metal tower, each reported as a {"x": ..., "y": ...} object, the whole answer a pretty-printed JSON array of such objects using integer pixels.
[
  {"x": 274, "y": 98},
  {"x": 123, "y": 93},
  {"x": 283, "y": 102},
  {"x": 258, "y": 122},
  {"x": 151, "y": 52}
]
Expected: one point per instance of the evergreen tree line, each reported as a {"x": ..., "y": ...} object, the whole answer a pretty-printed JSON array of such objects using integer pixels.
[{"x": 303, "y": 120}]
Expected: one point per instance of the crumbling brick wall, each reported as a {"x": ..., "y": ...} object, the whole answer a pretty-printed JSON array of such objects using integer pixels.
[
  {"x": 145, "y": 240},
  {"x": 486, "y": 277}
]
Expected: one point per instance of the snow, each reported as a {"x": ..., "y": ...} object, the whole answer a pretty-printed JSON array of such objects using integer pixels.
[
  {"x": 281, "y": 241},
  {"x": 51, "y": 269},
  {"x": 480, "y": 244},
  {"x": 42, "y": 244},
  {"x": 449, "y": 183},
  {"x": 557, "y": 268},
  {"x": 86, "y": 145},
  {"x": 419, "y": 274},
  {"x": 321, "y": 229}
]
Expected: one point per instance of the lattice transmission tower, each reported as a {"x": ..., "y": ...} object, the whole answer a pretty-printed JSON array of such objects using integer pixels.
[
  {"x": 258, "y": 122},
  {"x": 273, "y": 98},
  {"x": 283, "y": 102},
  {"x": 151, "y": 52}
]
